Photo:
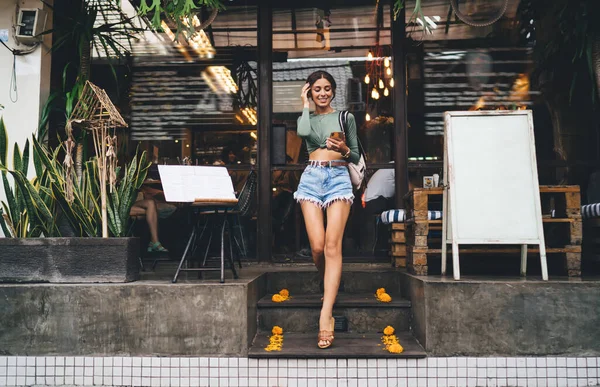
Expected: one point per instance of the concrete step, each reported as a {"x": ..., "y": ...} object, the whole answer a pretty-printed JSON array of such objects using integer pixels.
[
  {"x": 353, "y": 281},
  {"x": 356, "y": 313},
  {"x": 343, "y": 300},
  {"x": 345, "y": 345}
]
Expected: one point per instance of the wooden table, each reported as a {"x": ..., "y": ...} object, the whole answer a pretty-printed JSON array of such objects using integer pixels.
[{"x": 564, "y": 200}]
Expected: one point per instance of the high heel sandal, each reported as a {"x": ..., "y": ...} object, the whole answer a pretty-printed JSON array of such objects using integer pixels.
[{"x": 327, "y": 336}]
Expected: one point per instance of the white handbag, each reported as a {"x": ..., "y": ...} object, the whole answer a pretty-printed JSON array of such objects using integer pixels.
[{"x": 357, "y": 171}]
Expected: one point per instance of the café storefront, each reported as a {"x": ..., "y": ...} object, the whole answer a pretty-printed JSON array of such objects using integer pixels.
[{"x": 231, "y": 97}]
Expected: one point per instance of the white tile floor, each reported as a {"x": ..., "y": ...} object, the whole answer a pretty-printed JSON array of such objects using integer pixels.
[{"x": 220, "y": 372}]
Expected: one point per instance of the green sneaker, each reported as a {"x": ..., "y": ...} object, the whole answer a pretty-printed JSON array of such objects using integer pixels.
[{"x": 156, "y": 248}]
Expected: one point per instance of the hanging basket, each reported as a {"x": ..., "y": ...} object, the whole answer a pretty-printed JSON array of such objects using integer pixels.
[{"x": 470, "y": 21}]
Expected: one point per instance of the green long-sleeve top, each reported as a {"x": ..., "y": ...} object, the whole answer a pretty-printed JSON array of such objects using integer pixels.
[{"x": 315, "y": 128}]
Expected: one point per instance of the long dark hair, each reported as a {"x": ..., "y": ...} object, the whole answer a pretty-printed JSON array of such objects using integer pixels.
[{"x": 312, "y": 78}]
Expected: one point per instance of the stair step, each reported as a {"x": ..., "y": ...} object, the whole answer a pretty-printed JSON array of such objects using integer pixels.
[
  {"x": 346, "y": 345},
  {"x": 344, "y": 300},
  {"x": 357, "y": 281},
  {"x": 362, "y": 311}
]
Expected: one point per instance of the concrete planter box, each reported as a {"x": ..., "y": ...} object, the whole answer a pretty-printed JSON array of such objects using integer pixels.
[{"x": 69, "y": 260}]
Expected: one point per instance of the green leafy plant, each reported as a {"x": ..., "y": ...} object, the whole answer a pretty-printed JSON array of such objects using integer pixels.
[
  {"x": 29, "y": 207},
  {"x": 123, "y": 195},
  {"x": 88, "y": 26},
  {"x": 83, "y": 212},
  {"x": 176, "y": 10}
]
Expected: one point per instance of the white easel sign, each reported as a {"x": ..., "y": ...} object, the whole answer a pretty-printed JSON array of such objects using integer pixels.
[
  {"x": 190, "y": 183},
  {"x": 492, "y": 191}
]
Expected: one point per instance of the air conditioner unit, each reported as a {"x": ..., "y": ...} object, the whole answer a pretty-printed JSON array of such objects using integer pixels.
[{"x": 30, "y": 25}]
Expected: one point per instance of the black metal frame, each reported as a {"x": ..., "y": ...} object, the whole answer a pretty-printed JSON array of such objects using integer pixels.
[
  {"x": 198, "y": 230},
  {"x": 265, "y": 104},
  {"x": 400, "y": 111}
]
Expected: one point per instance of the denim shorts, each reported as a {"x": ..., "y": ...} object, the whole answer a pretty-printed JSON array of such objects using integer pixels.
[{"x": 324, "y": 185}]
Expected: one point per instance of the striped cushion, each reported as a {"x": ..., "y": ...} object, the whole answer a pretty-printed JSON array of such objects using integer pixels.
[
  {"x": 395, "y": 216},
  {"x": 590, "y": 211},
  {"x": 392, "y": 216},
  {"x": 398, "y": 216}
]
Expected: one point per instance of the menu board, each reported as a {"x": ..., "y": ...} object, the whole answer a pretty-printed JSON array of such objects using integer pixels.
[{"x": 185, "y": 184}]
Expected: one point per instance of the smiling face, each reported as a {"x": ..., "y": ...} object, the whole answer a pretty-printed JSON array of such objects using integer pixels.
[{"x": 322, "y": 92}]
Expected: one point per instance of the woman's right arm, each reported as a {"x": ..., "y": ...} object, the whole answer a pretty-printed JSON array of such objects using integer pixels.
[
  {"x": 303, "y": 127},
  {"x": 304, "y": 123}
]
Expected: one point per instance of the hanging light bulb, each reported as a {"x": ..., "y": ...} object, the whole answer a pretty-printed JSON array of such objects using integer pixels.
[
  {"x": 367, "y": 79},
  {"x": 370, "y": 55},
  {"x": 388, "y": 71},
  {"x": 367, "y": 117},
  {"x": 374, "y": 93},
  {"x": 386, "y": 62},
  {"x": 386, "y": 92},
  {"x": 381, "y": 85},
  {"x": 392, "y": 82}
]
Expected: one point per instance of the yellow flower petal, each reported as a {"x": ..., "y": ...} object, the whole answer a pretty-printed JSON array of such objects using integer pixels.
[
  {"x": 389, "y": 330},
  {"x": 384, "y": 297},
  {"x": 284, "y": 293},
  {"x": 277, "y": 298},
  {"x": 277, "y": 330},
  {"x": 395, "y": 348},
  {"x": 380, "y": 291}
]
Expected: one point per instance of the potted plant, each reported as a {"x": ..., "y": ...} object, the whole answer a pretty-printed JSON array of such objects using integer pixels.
[{"x": 34, "y": 251}]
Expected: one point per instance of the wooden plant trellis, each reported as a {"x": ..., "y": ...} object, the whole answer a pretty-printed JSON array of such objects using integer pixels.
[{"x": 95, "y": 112}]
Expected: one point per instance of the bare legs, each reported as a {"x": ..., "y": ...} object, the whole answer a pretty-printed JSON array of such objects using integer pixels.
[
  {"x": 315, "y": 228},
  {"x": 147, "y": 207},
  {"x": 327, "y": 244}
]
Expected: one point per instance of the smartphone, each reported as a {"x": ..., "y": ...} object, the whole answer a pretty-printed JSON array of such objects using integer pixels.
[{"x": 337, "y": 135}]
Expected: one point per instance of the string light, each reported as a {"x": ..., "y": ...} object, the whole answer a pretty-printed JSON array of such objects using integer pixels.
[
  {"x": 381, "y": 85},
  {"x": 388, "y": 71},
  {"x": 392, "y": 82},
  {"x": 370, "y": 55},
  {"x": 367, "y": 117},
  {"x": 374, "y": 94},
  {"x": 367, "y": 79},
  {"x": 386, "y": 62},
  {"x": 386, "y": 92}
]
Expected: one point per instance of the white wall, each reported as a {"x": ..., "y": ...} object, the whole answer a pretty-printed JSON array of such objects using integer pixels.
[{"x": 32, "y": 78}]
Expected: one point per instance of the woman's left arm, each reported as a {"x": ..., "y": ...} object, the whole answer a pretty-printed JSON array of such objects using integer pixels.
[{"x": 352, "y": 139}]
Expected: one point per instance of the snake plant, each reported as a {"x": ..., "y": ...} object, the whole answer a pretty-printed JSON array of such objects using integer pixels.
[{"x": 29, "y": 206}]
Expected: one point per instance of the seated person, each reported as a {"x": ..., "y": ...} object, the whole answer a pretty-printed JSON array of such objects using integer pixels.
[
  {"x": 380, "y": 191},
  {"x": 378, "y": 197},
  {"x": 146, "y": 206}
]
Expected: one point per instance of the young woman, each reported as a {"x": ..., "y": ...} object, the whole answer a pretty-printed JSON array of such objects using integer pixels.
[{"x": 325, "y": 185}]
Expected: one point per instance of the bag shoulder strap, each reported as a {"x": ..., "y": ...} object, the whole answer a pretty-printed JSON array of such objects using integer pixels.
[{"x": 343, "y": 119}]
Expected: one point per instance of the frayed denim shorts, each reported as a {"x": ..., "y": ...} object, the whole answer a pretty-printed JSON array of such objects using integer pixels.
[{"x": 324, "y": 185}]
